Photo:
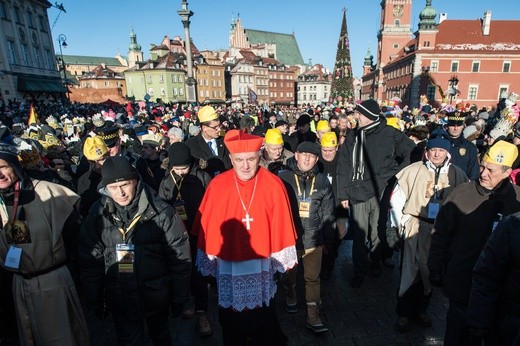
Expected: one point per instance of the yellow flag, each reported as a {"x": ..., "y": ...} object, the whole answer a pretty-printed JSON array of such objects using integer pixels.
[{"x": 33, "y": 116}]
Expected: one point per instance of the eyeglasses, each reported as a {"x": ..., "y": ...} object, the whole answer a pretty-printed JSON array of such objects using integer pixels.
[{"x": 215, "y": 127}]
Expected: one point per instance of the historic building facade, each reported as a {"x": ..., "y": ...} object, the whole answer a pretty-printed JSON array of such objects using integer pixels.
[
  {"x": 314, "y": 85},
  {"x": 471, "y": 60},
  {"x": 27, "y": 62}
]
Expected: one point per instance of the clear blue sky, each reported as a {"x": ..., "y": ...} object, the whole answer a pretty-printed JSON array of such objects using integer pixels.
[{"x": 101, "y": 28}]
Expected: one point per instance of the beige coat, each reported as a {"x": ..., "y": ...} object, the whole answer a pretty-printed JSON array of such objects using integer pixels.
[{"x": 47, "y": 306}]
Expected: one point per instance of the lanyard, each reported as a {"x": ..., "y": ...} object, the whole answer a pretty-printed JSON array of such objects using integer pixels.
[
  {"x": 16, "y": 199},
  {"x": 132, "y": 224},
  {"x": 436, "y": 181},
  {"x": 177, "y": 185},
  {"x": 300, "y": 191}
]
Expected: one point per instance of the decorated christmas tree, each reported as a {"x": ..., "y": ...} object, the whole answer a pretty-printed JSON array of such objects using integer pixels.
[{"x": 342, "y": 82}]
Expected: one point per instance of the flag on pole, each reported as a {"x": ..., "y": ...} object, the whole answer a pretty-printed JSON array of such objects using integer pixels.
[
  {"x": 33, "y": 116},
  {"x": 251, "y": 96}
]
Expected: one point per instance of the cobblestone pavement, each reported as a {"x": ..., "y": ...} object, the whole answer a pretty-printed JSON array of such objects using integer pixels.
[{"x": 364, "y": 316}]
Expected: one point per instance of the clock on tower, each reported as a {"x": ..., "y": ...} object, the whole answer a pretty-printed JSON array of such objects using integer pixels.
[{"x": 398, "y": 10}]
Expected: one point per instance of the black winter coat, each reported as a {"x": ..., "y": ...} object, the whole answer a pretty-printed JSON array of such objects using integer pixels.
[
  {"x": 496, "y": 282},
  {"x": 461, "y": 229},
  {"x": 386, "y": 152},
  {"x": 193, "y": 188},
  {"x": 215, "y": 164},
  {"x": 320, "y": 223},
  {"x": 162, "y": 260}
]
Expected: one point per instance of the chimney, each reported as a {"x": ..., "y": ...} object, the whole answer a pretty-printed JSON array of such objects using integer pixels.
[
  {"x": 443, "y": 17},
  {"x": 486, "y": 23}
]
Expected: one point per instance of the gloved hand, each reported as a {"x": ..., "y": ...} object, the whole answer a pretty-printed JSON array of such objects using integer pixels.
[
  {"x": 176, "y": 309},
  {"x": 436, "y": 279},
  {"x": 392, "y": 237}
]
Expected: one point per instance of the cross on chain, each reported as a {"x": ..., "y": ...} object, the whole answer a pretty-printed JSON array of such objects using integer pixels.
[{"x": 248, "y": 221}]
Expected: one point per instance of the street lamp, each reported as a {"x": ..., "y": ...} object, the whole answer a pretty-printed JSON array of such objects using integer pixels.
[
  {"x": 191, "y": 83},
  {"x": 62, "y": 42}
]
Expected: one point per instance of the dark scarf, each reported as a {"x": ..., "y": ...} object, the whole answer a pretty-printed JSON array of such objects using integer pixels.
[{"x": 358, "y": 154}]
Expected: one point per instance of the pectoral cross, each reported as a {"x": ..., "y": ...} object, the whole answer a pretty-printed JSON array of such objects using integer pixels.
[{"x": 248, "y": 221}]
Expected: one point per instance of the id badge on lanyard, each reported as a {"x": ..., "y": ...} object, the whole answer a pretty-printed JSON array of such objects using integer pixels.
[
  {"x": 304, "y": 207},
  {"x": 14, "y": 255},
  {"x": 125, "y": 257},
  {"x": 180, "y": 206}
]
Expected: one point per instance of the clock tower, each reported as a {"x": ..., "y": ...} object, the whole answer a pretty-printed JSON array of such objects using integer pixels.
[{"x": 395, "y": 29}]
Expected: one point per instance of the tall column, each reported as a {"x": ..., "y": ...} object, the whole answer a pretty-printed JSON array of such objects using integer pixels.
[{"x": 191, "y": 83}]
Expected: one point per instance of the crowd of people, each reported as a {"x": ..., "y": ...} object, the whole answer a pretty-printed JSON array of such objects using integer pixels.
[{"x": 136, "y": 211}]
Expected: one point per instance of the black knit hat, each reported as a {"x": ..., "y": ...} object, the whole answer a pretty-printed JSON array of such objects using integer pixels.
[
  {"x": 9, "y": 153},
  {"x": 179, "y": 154},
  {"x": 369, "y": 108},
  {"x": 116, "y": 169},
  {"x": 304, "y": 119}
]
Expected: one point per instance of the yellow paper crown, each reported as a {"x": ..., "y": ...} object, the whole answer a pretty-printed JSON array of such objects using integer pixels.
[
  {"x": 323, "y": 125},
  {"x": 329, "y": 139},
  {"x": 94, "y": 148},
  {"x": 273, "y": 136},
  {"x": 501, "y": 153},
  {"x": 207, "y": 113}
]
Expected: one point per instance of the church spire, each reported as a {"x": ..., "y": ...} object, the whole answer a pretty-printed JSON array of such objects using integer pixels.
[{"x": 427, "y": 17}]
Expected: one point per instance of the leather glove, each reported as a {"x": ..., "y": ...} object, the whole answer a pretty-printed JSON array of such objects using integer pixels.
[
  {"x": 392, "y": 238},
  {"x": 436, "y": 279},
  {"x": 176, "y": 309}
]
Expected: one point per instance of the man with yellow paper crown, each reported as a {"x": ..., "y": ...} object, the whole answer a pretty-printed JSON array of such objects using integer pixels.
[
  {"x": 245, "y": 235},
  {"x": 208, "y": 145},
  {"x": 274, "y": 151},
  {"x": 465, "y": 221}
]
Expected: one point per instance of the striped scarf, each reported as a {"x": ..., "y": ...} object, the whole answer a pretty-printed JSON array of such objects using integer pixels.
[{"x": 358, "y": 154}]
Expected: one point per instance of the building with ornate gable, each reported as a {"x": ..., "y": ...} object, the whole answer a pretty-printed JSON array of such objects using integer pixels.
[{"x": 471, "y": 60}]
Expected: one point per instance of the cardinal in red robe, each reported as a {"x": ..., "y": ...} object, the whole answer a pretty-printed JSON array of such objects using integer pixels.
[{"x": 245, "y": 235}]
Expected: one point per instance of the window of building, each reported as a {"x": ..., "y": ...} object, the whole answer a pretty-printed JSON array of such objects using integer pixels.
[
  {"x": 37, "y": 57},
  {"x": 161, "y": 78},
  {"x": 213, "y": 94},
  {"x": 397, "y": 22},
  {"x": 174, "y": 78},
  {"x": 17, "y": 16},
  {"x": 50, "y": 59},
  {"x": 181, "y": 79},
  {"x": 163, "y": 92},
  {"x": 430, "y": 92},
  {"x": 434, "y": 66},
  {"x": 396, "y": 45},
  {"x": 475, "y": 67},
  {"x": 26, "y": 58},
  {"x": 506, "y": 67},
  {"x": 213, "y": 83},
  {"x": 454, "y": 66},
  {"x": 218, "y": 73},
  {"x": 503, "y": 89},
  {"x": 207, "y": 93},
  {"x": 219, "y": 93},
  {"x": 107, "y": 83},
  {"x": 219, "y": 83},
  {"x": 29, "y": 19},
  {"x": 150, "y": 91},
  {"x": 201, "y": 93},
  {"x": 3, "y": 11},
  {"x": 472, "y": 92},
  {"x": 206, "y": 82},
  {"x": 42, "y": 23},
  {"x": 11, "y": 51},
  {"x": 149, "y": 79},
  {"x": 324, "y": 88}
]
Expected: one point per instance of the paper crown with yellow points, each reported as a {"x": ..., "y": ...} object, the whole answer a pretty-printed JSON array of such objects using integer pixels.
[
  {"x": 329, "y": 139},
  {"x": 207, "y": 113},
  {"x": 323, "y": 125},
  {"x": 501, "y": 153},
  {"x": 273, "y": 136}
]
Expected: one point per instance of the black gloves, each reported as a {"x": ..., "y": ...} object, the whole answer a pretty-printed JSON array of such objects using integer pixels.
[
  {"x": 176, "y": 309},
  {"x": 436, "y": 279}
]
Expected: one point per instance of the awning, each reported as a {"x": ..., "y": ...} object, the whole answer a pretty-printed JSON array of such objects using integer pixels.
[
  {"x": 36, "y": 84},
  {"x": 214, "y": 101}
]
